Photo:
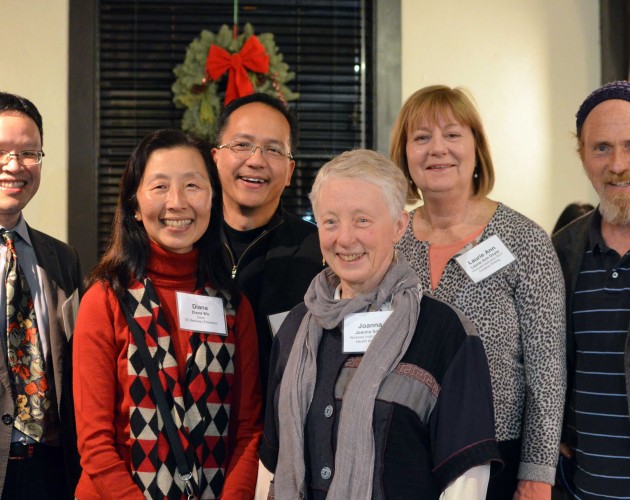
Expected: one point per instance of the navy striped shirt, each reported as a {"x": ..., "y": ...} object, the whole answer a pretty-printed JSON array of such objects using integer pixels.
[{"x": 601, "y": 315}]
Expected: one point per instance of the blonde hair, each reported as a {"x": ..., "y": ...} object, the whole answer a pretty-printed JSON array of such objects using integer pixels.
[{"x": 431, "y": 103}]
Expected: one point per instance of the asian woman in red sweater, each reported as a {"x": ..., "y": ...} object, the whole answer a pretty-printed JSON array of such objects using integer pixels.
[{"x": 161, "y": 276}]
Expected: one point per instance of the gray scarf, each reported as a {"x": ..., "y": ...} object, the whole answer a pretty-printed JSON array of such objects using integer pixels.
[{"x": 354, "y": 457}]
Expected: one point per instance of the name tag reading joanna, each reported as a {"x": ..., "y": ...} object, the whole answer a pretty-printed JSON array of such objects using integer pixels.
[
  {"x": 360, "y": 328},
  {"x": 201, "y": 313},
  {"x": 485, "y": 259}
]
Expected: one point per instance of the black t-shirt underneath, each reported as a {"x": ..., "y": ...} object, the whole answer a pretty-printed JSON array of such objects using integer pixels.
[{"x": 238, "y": 241}]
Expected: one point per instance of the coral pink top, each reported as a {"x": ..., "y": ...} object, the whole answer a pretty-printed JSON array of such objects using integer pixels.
[{"x": 439, "y": 255}]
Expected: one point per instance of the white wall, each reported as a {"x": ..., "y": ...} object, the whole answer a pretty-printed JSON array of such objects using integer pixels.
[
  {"x": 34, "y": 64},
  {"x": 529, "y": 65}
]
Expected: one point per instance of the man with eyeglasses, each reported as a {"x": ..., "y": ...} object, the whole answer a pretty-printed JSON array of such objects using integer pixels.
[
  {"x": 274, "y": 255},
  {"x": 39, "y": 295}
]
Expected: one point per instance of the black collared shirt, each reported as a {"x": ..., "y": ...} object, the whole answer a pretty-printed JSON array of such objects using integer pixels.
[{"x": 601, "y": 314}]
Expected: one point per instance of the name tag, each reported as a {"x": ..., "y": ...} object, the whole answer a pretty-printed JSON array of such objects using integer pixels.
[
  {"x": 360, "y": 328},
  {"x": 485, "y": 259},
  {"x": 201, "y": 313},
  {"x": 276, "y": 320}
]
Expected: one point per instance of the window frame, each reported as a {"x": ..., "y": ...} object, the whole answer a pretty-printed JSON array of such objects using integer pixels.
[{"x": 83, "y": 119}]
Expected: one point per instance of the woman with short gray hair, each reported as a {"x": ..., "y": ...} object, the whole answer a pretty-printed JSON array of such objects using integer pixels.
[{"x": 375, "y": 390}]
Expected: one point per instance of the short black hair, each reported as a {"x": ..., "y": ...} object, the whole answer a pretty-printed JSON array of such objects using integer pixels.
[
  {"x": 270, "y": 101},
  {"x": 12, "y": 102}
]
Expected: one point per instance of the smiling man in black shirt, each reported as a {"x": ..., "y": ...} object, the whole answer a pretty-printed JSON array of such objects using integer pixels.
[{"x": 274, "y": 255}]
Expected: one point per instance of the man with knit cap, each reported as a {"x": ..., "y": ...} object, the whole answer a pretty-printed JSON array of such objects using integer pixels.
[{"x": 594, "y": 252}]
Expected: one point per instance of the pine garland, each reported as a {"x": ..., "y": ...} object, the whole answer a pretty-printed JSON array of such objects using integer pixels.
[{"x": 203, "y": 98}]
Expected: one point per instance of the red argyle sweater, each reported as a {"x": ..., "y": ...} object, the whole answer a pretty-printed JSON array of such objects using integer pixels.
[{"x": 101, "y": 384}]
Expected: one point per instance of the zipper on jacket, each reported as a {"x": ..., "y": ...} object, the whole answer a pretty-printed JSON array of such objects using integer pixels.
[{"x": 260, "y": 236}]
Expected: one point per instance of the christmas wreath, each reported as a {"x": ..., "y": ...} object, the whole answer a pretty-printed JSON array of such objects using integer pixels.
[{"x": 221, "y": 67}]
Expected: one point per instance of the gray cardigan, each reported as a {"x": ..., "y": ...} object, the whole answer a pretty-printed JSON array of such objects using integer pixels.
[{"x": 519, "y": 314}]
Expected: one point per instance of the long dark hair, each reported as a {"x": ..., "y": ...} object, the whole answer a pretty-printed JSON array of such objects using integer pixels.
[{"x": 128, "y": 251}]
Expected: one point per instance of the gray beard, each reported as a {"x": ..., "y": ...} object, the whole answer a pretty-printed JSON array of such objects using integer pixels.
[{"x": 615, "y": 211}]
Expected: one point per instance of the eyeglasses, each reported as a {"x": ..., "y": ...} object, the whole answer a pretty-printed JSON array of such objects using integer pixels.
[
  {"x": 24, "y": 158},
  {"x": 245, "y": 149}
]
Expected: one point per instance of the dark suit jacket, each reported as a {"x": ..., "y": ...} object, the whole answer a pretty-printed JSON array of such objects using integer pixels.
[{"x": 62, "y": 287}]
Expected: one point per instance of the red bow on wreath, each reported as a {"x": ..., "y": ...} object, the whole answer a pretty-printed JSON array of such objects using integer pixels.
[{"x": 252, "y": 56}]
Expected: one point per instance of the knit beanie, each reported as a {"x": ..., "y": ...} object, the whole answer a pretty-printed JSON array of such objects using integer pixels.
[{"x": 612, "y": 90}]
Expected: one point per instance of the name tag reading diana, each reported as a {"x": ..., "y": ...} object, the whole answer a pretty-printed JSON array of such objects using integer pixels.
[
  {"x": 485, "y": 259},
  {"x": 201, "y": 313},
  {"x": 360, "y": 328}
]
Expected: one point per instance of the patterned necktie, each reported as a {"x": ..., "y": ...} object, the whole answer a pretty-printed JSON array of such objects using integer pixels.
[{"x": 24, "y": 349}]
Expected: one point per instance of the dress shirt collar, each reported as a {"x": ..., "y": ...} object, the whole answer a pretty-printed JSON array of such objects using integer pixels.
[{"x": 21, "y": 229}]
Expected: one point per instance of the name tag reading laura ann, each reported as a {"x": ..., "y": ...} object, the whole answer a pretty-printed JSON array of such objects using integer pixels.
[
  {"x": 360, "y": 328},
  {"x": 485, "y": 259},
  {"x": 201, "y": 313}
]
